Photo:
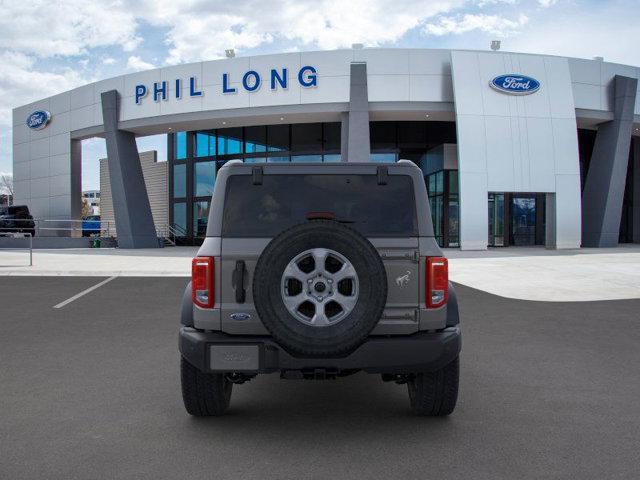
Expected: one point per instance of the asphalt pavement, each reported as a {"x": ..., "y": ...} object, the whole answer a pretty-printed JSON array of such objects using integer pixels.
[{"x": 91, "y": 390}]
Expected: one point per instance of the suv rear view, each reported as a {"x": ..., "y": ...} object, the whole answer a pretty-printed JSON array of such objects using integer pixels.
[{"x": 317, "y": 271}]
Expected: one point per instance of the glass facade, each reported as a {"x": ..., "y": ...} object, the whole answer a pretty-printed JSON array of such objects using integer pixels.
[{"x": 196, "y": 156}]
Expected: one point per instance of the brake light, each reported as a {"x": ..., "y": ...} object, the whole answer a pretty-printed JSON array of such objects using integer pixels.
[
  {"x": 437, "y": 282},
  {"x": 202, "y": 284}
]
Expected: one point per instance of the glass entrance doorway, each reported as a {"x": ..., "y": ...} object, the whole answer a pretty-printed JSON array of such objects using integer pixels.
[
  {"x": 516, "y": 219},
  {"x": 523, "y": 220}
]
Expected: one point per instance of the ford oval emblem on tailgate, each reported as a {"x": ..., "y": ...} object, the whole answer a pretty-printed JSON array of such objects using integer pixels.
[{"x": 240, "y": 316}]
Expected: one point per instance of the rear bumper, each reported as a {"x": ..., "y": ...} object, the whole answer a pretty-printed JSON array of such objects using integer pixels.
[{"x": 219, "y": 352}]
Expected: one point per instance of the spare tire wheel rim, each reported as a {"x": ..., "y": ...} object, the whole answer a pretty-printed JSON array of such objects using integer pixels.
[{"x": 319, "y": 287}]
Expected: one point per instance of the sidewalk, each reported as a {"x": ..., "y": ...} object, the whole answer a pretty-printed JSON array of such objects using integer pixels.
[
  {"x": 153, "y": 262},
  {"x": 521, "y": 273},
  {"x": 550, "y": 275}
]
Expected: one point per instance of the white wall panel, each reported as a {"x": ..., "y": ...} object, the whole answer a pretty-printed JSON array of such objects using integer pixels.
[
  {"x": 39, "y": 168},
  {"x": 60, "y": 206},
  {"x": 430, "y": 88},
  {"x": 59, "y": 144},
  {"x": 22, "y": 188},
  {"x": 500, "y": 173},
  {"x": 39, "y": 188},
  {"x": 21, "y": 170},
  {"x": 334, "y": 89},
  {"x": 510, "y": 139},
  {"x": 39, "y": 148},
  {"x": 220, "y": 101},
  {"x": 60, "y": 103},
  {"x": 474, "y": 147},
  {"x": 82, "y": 117},
  {"x": 39, "y": 207},
  {"x": 388, "y": 88},
  {"x": 115, "y": 83},
  {"x": 329, "y": 64},
  {"x": 60, "y": 123},
  {"x": 20, "y": 133},
  {"x": 212, "y": 71},
  {"x": 429, "y": 62},
  {"x": 384, "y": 61},
  {"x": 59, "y": 165},
  {"x": 81, "y": 97},
  {"x": 21, "y": 152},
  {"x": 541, "y": 155},
  {"x": 473, "y": 207},
  {"x": 467, "y": 84},
  {"x": 146, "y": 78},
  {"x": 585, "y": 71},
  {"x": 587, "y": 96},
  {"x": 60, "y": 185},
  {"x": 565, "y": 146}
]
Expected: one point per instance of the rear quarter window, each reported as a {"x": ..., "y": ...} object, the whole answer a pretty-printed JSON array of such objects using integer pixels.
[{"x": 282, "y": 201}]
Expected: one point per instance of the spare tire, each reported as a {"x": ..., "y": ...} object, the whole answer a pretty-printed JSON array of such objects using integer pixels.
[{"x": 320, "y": 288}]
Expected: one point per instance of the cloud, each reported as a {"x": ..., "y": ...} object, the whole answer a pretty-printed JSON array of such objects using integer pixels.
[
  {"x": 67, "y": 28},
  {"x": 547, "y": 3},
  {"x": 21, "y": 83},
  {"x": 135, "y": 63},
  {"x": 108, "y": 61},
  {"x": 323, "y": 24},
  {"x": 491, "y": 24}
]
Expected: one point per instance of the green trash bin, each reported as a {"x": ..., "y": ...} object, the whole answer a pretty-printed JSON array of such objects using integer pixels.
[{"x": 95, "y": 243}]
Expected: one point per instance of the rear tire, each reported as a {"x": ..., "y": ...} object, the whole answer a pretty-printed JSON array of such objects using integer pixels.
[
  {"x": 434, "y": 394},
  {"x": 204, "y": 394}
]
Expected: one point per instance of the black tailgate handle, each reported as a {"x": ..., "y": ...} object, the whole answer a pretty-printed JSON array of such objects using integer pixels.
[{"x": 238, "y": 281}]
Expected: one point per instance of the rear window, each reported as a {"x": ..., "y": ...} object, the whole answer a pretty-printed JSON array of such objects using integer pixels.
[{"x": 282, "y": 201}]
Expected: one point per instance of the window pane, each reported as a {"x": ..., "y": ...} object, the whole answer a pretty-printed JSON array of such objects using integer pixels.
[
  {"x": 306, "y": 137},
  {"x": 200, "y": 218},
  {"x": 453, "y": 182},
  {"x": 179, "y": 180},
  {"x": 306, "y": 158},
  {"x": 332, "y": 136},
  {"x": 255, "y": 160},
  {"x": 267, "y": 209},
  {"x": 412, "y": 134},
  {"x": 383, "y": 135},
  {"x": 277, "y": 159},
  {"x": 204, "y": 176},
  {"x": 229, "y": 141},
  {"x": 180, "y": 216},
  {"x": 334, "y": 157},
  {"x": 439, "y": 182},
  {"x": 205, "y": 144},
  {"x": 431, "y": 185},
  {"x": 180, "y": 146},
  {"x": 255, "y": 139},
  {"x": 278, "y": 137},
  {"x": 383, "y": 157}
]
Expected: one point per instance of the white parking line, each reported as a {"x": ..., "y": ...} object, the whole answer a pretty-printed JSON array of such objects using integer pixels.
[{"x": 84, "y": 292}]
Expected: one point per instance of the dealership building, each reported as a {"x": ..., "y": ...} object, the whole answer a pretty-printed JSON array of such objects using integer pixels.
[{"x": 516, "y": 149}]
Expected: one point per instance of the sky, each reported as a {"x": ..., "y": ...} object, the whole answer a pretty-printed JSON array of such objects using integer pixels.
[{"x": 48, "y": 47}]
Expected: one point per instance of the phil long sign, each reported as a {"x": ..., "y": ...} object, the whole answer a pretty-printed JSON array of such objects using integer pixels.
[
  {"x": 515, "y": 84},
  {"x": 250, "y": 81}
]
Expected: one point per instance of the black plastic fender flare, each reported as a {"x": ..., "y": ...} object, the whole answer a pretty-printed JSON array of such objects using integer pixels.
[
  {"x": 186, "y": 312},
  {"x": 453, "y": 316}
]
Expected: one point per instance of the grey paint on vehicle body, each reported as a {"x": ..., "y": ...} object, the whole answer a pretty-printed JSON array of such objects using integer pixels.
[{"x": 404, "y": 312}]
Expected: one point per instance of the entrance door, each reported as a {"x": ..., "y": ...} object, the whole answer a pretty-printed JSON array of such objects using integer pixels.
[
  {"x": 523, "y": 220},
  {"x": 496, "y": 220}
]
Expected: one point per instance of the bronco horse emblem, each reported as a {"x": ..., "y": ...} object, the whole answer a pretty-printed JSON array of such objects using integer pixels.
[{"x": 403, "y": 280}]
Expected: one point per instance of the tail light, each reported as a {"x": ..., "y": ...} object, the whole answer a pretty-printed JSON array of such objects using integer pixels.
[
  {"x": 437, "y": 282},
  {"x": 202, "y": 283}
]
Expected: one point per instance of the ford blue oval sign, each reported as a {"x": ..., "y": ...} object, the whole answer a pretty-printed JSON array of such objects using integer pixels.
[
  {"x": 38, "y": 119},
  {"x": 515, "y": 84}
]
